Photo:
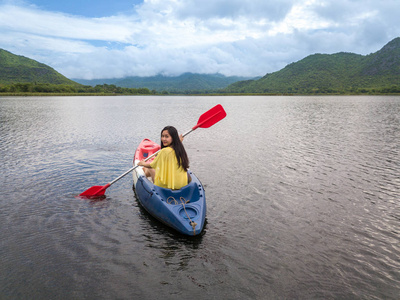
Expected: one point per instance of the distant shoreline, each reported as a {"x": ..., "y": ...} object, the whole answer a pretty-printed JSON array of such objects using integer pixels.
[{"x": 28, "y": 94}]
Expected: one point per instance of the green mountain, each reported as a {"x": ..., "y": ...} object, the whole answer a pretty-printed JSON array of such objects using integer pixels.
[
  {"x": 331, "y": 73},
  {"x": 187, "y": 82},
  {"x": 20, "y": 69}
]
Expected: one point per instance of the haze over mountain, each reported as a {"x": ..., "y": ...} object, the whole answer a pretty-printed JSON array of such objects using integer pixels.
[{"x": 178, "y": 84}]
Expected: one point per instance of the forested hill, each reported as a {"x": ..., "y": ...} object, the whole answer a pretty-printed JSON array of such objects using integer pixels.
[
  {"x": 187, "y": 82},
  {"x": 332, "y": 73},
  {"x": 20, "y": 69}
]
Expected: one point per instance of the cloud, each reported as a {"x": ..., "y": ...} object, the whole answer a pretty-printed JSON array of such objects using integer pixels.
[
  {"x": 170, "y": 37},
  {"x": 232, "y": 9},
  {"x": 59, "y": 25}
]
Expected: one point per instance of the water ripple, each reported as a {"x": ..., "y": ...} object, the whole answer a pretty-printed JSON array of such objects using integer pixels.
[{"x": 302, "y": 201}]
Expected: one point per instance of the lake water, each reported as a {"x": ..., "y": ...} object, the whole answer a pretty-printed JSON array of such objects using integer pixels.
[{"x": 303, "y": 198}]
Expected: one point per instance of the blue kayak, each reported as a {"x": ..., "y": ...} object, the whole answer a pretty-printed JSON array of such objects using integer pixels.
[{"x": 183, "y": 210}]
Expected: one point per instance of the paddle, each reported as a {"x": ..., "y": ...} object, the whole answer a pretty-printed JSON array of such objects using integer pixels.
[{"x": 206, "y": 120}]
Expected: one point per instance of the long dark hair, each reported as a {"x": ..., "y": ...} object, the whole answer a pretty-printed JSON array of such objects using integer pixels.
[{"x": 180, "y": 152}]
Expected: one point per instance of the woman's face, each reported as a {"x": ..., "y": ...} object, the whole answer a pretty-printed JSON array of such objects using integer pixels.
[{"x": 166, "y": 139}]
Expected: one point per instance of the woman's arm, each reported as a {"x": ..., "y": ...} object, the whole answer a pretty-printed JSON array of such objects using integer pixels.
[{"x": 142, "y": 163}]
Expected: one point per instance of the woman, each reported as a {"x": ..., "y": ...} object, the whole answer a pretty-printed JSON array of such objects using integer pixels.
[{"x": 169, "y": 168}]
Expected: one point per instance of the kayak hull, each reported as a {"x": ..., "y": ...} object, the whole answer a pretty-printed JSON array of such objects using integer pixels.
[{"x": 183, "y": 210}]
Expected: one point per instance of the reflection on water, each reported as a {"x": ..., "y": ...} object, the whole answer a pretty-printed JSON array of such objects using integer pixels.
[{"x": 302, "y": 198}]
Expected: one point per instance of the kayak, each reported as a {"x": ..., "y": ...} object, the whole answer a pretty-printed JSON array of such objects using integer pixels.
[{"x": 183, "y": 210}]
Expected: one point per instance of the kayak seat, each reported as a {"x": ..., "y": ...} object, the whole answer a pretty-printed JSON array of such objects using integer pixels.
[
  {"x": 147, "y": 149},
  {"x": 188, "y": 192}
]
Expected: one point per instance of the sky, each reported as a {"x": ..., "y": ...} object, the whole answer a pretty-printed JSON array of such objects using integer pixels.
[{"x": 93, "y": 39}]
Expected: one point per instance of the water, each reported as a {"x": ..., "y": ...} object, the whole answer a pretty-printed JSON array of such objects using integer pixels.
[{"x": 302, "y": 193}]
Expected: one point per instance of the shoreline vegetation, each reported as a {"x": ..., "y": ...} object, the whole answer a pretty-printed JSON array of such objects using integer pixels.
[{"x": 44, "y": 89}]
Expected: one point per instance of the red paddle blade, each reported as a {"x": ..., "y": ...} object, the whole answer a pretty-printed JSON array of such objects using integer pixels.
[
  {"x": 209, "y": 118},
  {"x": 95, "y": 191}
]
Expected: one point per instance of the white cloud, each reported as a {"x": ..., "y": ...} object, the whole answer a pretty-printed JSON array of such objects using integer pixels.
[
  {"x": 232, "y": 9},
  {"x": 34, "y": 21},
  {"x": 232, "y": 37}
]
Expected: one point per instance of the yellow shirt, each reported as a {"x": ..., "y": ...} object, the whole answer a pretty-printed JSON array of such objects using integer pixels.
[{"x": 168, "y": 173}]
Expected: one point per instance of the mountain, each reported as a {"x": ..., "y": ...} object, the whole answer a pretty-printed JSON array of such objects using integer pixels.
[
  {"x": 330, "y": 73},
  {"x": 20, "y": 69},
  {"x": 187, "y": 82}
]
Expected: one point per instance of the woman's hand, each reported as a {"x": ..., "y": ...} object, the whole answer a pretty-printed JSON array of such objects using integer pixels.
[
  {"x": 181, "y": 137},
  {"x": 143, "y": 163}
]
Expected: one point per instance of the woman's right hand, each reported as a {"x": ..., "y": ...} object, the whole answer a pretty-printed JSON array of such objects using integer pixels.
[{"x": 143, "y": 163}]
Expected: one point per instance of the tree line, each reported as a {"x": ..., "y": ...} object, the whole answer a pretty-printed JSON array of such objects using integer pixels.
[
  {"x": 110, "y": 89},
  {"x": 44, "y": 88}
]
